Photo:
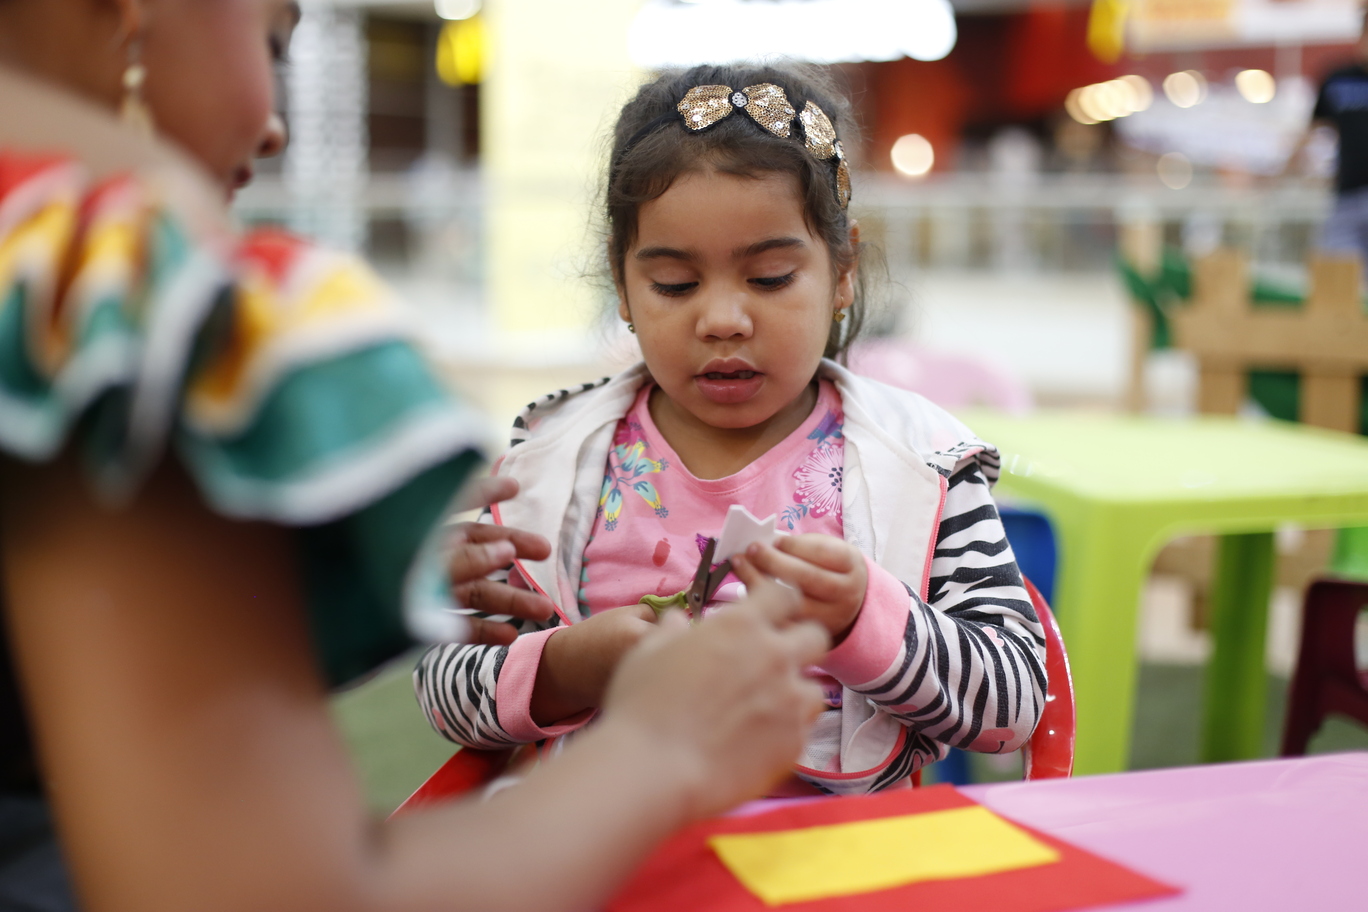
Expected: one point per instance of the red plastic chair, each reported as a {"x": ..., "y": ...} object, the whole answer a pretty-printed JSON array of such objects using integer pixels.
[
  {"x": 1050, "y": 752},
  {"x": 1048, "y": 755},
  {"x": 1327, "y": 680},
  {"x": 467, "y": 770}
]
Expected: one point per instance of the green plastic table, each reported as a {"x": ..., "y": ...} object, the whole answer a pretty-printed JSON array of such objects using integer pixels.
[{"x": 1116, "y": 488}]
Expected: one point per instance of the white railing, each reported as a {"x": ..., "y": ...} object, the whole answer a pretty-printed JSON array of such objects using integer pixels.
[
  {"x": 1070, "y": 223},
  {"x": 431, "y": 226}
]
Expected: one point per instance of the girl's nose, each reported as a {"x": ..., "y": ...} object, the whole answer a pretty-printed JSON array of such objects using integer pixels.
[
  {"x": 274, "y": 137},
  {"x": 724, "y": 316}
]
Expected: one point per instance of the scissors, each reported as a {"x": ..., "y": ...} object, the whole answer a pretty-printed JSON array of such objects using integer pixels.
[{"x": 706, "y": 580}]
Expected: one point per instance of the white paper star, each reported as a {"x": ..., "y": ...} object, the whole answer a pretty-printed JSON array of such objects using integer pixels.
[{"x": 740, "y": 531}]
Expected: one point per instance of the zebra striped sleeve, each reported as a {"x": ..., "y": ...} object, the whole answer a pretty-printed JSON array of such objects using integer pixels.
[{"x": 970, "y": 672}]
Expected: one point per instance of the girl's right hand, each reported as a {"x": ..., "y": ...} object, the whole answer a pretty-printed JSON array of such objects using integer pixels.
[{"x": 724, "y": 706}]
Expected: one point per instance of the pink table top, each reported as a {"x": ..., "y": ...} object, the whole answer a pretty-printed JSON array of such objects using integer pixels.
[
  {"x": 1262, "y": 835},
  {"x": 1273, "y": 834}
]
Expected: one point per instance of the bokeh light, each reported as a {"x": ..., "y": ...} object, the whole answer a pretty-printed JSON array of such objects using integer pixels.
[
  {"x": 666, "y": 33},
  {"x": 1175, "y": 170},
  {"x": 913, "y": 155},
  {"x": 1109, "y": 100},
  {"x": 1186, "y": 88},
  {"x": 1102, "y": 101},
  {"x": 1142, "y": 92},
  {"x": 456, "y": 9},
  {"x": 1256, "y": 86},
  {"x": 1073, "y": 105}
]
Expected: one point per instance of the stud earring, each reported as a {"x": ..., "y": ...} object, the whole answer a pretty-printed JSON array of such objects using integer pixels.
[
  {"x": 631, "y": 328},
  {"x": 134, "y": 111},
  {"x": 838, "y": 316}
]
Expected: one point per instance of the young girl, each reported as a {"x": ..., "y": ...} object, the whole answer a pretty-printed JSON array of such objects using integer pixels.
[{"x": 736, "y": 263}]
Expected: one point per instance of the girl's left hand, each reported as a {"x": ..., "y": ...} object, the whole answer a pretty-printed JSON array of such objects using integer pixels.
[{"x": 829, "y": 572}]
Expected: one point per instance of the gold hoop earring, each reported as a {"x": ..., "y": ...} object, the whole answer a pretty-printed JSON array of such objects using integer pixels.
[
  {"x": 133, "y": 111},
  {"x": 838, "y": 316}
]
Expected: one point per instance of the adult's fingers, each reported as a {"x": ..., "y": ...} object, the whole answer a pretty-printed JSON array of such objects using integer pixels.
[
  {"x": 807, "y": 642},
  {"x": 671, "y": 624},
  {"x": 485, "y": 491},
  {"x": 529, "y": 545},
  {"x": 778, "y": 604},
  {"x": 490, "y": 597}
]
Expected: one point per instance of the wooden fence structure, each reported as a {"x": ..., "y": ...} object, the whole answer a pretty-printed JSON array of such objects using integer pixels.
[{"x": 1325, "y": 340}]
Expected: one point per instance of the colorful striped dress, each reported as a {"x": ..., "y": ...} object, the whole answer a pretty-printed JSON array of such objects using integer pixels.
[{"x": 283, "y": 378}]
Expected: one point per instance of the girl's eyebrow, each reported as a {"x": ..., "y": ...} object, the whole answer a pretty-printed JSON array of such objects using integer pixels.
[
  {"x": 740, "y": 253},
  {"x": 759, "y": 247},
  {"x": 665, "y": 253}
]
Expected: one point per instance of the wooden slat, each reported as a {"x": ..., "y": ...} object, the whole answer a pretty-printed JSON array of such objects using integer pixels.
[
  {"x": 1142, "y": 245},
  {"x": 1275, "y": 338},
  {"x": 1221, "y": 388},
  {"x": 1220, "y": 283},
  {"x": 1142, "y": 330},
  {"x": 1326, "y": 341},
  {"x": 1336, "y": 287},
  {"x": 1330, "y": 400}
]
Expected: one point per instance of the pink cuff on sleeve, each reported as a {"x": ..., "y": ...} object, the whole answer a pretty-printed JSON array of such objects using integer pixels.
[
  {"x": 513, "y": 693},
  {"x": 874, "y": 642}
]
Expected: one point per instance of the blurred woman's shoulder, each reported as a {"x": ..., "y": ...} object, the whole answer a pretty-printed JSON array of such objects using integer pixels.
[{"x": 137, "y": 323}]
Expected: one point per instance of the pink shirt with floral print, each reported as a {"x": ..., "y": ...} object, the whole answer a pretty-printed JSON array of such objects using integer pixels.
[{"x": 655, "y": 517}]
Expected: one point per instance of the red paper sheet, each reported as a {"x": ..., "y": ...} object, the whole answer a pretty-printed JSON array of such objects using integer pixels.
[{"x": 684, "y": 875}]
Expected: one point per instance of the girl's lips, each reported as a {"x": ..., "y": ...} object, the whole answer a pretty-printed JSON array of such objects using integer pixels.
[{"x": 729, "y": 387}]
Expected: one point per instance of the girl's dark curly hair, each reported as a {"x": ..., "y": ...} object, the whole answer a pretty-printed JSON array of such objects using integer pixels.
[{"x": 651, "y": 149}]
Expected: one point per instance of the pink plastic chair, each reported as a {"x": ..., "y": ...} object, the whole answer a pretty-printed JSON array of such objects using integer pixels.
[
  {"x": 951, "y": 381},
  {"x": 1048, "y": 755}
]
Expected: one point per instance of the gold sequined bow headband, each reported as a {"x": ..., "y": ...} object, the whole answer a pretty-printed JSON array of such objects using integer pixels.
[{"x": 768, "y": 105}]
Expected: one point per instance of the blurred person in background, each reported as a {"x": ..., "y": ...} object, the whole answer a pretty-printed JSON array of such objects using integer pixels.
[
  {"x": 1342, "y": 103},
  {"x": 223, "y": 474}
]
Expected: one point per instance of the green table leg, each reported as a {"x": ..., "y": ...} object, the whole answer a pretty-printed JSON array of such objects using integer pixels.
[
  {"x": 1235, "y": 689},
  {"x": 1097, "y": 598},
  {"x": 1351, "y": 553}
]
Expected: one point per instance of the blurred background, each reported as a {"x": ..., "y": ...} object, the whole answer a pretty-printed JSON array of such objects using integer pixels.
[
  {"x": 1006, "y": 146},
  {"x": 1023, "y": 166}
]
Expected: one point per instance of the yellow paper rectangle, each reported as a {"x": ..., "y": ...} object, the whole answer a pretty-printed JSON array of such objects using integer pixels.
[{"x": 867, "y": 855}]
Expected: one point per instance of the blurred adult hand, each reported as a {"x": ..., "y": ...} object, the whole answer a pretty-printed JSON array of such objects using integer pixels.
[
  {"x": 482, "y": 548},
  {"x": 724, "y": 706}
]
